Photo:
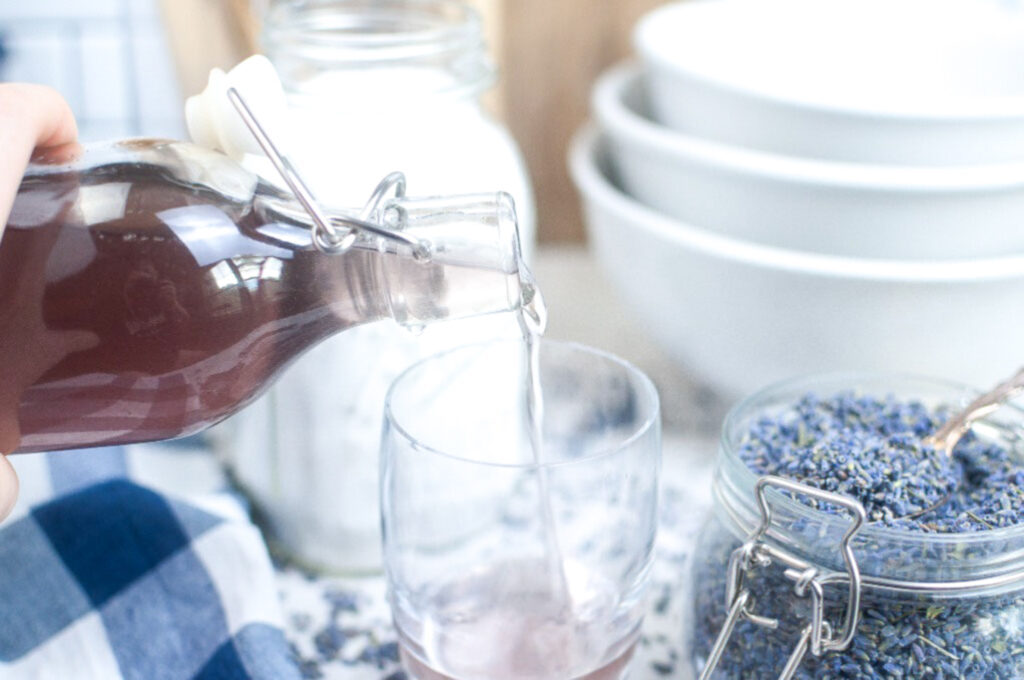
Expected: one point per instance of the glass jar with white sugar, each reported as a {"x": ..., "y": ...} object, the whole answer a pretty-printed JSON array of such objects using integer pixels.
[{"x": 373, "y": 87}]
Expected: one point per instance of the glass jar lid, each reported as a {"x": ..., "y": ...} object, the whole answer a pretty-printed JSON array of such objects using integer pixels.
[{"x": 382, "y": 49}]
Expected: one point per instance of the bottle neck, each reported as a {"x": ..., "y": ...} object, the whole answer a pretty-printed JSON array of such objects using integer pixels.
[
  {"x": 466, "y": 262},
  {"x": 385, "y": 50},
  {"x": 474, "y": 265}
]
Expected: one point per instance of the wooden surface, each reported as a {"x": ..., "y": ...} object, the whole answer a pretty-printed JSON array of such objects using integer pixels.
[
  {"x": 204, "y": 34},
  {"x": 551, "y": 53}
]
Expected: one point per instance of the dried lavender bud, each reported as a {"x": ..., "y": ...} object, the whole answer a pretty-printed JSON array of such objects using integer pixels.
[
  {"x": 899, "y": 637},
  {"x": 872, "y": 449}
]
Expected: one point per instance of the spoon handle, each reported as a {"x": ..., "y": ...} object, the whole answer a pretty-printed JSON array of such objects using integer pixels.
[{"x": 949, "y": 434}]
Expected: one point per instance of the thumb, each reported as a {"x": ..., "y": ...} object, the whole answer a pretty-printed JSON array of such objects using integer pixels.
[
  {"x": 8, "y": 487},
  {"x": 69, "y": 342}
]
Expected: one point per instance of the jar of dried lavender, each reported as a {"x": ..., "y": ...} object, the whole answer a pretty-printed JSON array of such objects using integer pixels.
[{"x": 843, "y": 545}]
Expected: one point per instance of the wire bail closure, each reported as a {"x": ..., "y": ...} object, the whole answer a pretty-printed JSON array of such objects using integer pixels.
[
  {"x": 817, "y": 636},
  {"x": 337, "y": 234}
]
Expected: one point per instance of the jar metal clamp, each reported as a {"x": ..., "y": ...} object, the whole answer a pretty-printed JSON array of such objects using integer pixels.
[{"x": 818, "y": 636}]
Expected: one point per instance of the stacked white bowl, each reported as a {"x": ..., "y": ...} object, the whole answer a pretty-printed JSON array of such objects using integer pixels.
[{"x": 796, "y": 186}]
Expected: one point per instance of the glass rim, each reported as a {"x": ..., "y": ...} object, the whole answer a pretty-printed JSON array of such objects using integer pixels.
[{"x": 642, "y": 381}]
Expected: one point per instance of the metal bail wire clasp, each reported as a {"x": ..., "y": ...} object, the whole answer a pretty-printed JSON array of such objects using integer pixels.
[
  {"x": 817, "y": 637},
  {"x": 327, "y": 236}
]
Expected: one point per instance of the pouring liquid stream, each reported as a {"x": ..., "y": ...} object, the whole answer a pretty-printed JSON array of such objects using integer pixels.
[{"x": 533, "y": 319}]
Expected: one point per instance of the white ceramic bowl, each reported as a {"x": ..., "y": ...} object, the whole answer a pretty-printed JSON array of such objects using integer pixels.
[
  {"x": 820, "y": 206},
  {"x": 741, "y": 315},
  {"x": 887, "y": 81}
]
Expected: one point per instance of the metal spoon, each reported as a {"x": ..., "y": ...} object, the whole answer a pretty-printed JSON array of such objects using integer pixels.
[{"x": 946, "y": 437}]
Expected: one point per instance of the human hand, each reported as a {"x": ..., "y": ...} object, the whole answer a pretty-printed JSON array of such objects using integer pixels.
[{"x": 33, "y": 118}]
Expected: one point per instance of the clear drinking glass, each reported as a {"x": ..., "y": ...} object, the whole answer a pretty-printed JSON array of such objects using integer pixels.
[{"x": 502, "y": 566}]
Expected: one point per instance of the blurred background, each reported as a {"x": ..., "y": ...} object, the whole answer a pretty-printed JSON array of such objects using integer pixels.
[
  {"x": 752, "y": 213},
  {"x": 125, "y": 66}
]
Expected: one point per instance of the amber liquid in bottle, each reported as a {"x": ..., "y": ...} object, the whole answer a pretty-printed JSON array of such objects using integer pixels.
[{"x": 137, "y": 307}]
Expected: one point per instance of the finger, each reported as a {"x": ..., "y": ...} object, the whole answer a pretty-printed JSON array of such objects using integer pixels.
[
  {"x": 31, "y": 116},
  {"x": 8, "y": 487},
  {"x": 38, "y": 112},
  {"x": 57, "y": 155}
]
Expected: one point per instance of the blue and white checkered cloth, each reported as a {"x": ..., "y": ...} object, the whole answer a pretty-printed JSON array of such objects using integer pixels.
[{"x": 105, "y": 572}]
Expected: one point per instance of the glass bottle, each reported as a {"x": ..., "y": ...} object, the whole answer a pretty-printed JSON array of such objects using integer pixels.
[
  {"x": 149, "y": 289},
  {"x": 384, "y": 84}
]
